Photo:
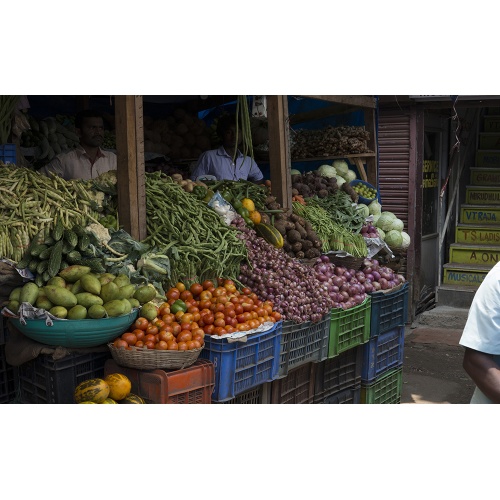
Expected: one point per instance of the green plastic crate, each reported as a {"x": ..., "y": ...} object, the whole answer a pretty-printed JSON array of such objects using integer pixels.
[
  {"x": 385, "y": 390},
  {"x": 349, "y": 328}
]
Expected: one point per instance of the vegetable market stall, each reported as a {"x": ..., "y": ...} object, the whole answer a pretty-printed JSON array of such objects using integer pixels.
[{"x": 320, "y": 309}]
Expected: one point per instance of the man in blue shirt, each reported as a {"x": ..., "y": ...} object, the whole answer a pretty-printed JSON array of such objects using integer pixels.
[{"x": 219, "y": 162}]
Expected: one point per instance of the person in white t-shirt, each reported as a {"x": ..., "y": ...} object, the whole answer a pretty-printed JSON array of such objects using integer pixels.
[{"x": 481, "y": 339}]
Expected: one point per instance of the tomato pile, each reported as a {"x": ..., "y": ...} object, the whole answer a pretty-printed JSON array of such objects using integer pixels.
[{"x": 189, "y": 314}]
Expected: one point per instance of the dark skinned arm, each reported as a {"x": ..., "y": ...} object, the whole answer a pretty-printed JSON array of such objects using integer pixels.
[{"x": 485, "y": 373}]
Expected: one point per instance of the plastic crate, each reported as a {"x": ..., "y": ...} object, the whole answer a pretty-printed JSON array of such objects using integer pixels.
[
  {"x": 4, "y": 332},
  {"x": 388, "y": 310},
  {"x": 296, "y": 388},
  {"x": 257, "y": 396},
  {"x": 240, "y": 366},
  {"x": 7, "y": 379},
  {"x": 191, "y": 385},
  {"x": 339, "y": 373},
  {"x": 348, "y": 396},
  {"x": 385, "y": 390},
  {"x": 383, "y": 352},
  {"x": 48, "y": 381},
  {"x": 349, "y": 327},
  {"x": 302, "y": 343},
  {"x": 8, "y": 153}
]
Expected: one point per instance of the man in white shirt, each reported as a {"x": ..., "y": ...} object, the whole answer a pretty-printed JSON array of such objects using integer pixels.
[
  {"x": 88, "y": 160},
  {"x": 481, "y": 339}
]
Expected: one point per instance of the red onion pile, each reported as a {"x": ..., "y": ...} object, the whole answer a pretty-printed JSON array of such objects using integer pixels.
[
  {"x": 369, "y": 231},
  {"x": 273, "y": 275},
  {"x": 381, "y": 277}
]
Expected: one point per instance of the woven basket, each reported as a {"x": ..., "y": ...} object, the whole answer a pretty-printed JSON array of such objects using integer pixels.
[
  {"x": 143, "y": 358},
  {"x": 348, "y": 262}
]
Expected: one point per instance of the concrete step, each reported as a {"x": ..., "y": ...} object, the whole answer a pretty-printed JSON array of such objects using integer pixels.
[
  {"x": 464, "y": 274},
  {"x": 482, "y": 195},
  {"x": 484, "y": 176},
  {"x": 477, "y": 235},
  {"x": 443, "y": 317},
  {"x": 475, "y": 255},
  {"x": 487, "y": 158},
  {"x": 455, "y": 295},
  {"x": 489, "y": 140},
  {"x": 479, "y": 214}
]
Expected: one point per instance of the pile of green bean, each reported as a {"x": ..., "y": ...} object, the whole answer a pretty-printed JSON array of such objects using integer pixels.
[
  {"x": 196, "y": 239},
  {"x": 31, "y": 203}
]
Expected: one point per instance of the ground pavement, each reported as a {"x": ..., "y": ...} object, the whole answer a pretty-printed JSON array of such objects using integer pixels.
[{"x": 432, "y": 367}]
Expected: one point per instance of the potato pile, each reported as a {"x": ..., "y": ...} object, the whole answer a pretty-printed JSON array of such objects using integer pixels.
[
  {"x": 312, "y": 183},
  {"x": 300, "y": 239}
]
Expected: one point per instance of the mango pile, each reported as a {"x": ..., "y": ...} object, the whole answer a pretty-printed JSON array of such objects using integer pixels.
[{"x": 78, "y": 293}]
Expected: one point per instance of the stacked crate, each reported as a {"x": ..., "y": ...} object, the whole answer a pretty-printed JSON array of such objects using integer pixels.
[
  {"x": 7, "y": 372},
  {"x": 338, "y": 379},
  {"x": 382, "y": 366}
]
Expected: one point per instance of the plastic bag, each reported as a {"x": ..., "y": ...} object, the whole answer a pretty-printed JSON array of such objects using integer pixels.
[{"x": 223, "y": 208}]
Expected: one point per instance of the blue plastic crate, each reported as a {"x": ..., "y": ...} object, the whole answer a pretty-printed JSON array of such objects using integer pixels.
[
  {"x": 7, "y": 379},
  {"x": 348, "y": 396},
  {"x": 8, "y": 153},
  {"x": 382, "y": 353},
  {"x": 389, "y": 309},
  {"x": 339, "y": 373},
  {"x": 362, "y": 199},
  {"x": 240, "y": 366},
  {"x": 302, "y": 343}
]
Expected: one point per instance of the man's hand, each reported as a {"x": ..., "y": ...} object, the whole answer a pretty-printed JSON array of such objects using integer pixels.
[{"x": 485, "y": 373}]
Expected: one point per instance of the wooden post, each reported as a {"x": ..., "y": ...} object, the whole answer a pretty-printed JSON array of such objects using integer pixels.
[
  {"x": 279, "y": 152},
  {"x": 371, "y": 162},
  {"x": 130, "y": 165}
]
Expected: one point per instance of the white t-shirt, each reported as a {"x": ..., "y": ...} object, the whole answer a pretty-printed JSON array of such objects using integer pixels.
[{"x": 482, "y": 329}]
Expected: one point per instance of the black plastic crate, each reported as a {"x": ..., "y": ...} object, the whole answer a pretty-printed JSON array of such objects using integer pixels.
[
  {"x": 256, "y": 396},
  {"x": 383, "y": 352},
  {"x": 4, "y": 332},
  {"x": 302, "y": 343},
  {"x": 296, "y": 388},
  {"x": 7, "y": 379},
  {"x": 389, "y": 309},
  {"x": 348, "y": 396},
  {"x": 48, "y": 381},
  {"x": 339, "y": 373}
]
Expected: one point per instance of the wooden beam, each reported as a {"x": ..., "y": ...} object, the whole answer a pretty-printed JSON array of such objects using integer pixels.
[
  {"x": 359, "y": 101},
  {"x": 279, "y": 151},
  {"x": 318, "y": 114},
  {"x": 130, "y": 165},
  {"x": 371, "y": 163}
]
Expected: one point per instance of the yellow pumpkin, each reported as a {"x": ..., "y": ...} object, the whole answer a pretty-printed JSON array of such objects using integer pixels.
[
  {"x": 248, "y": 204},
  {"x": 255, "y": 217}
]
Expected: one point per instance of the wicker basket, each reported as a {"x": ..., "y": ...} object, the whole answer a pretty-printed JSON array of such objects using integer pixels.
[
  {"x": 143, "y": 358},
  {"x": 348, "y": 262}
]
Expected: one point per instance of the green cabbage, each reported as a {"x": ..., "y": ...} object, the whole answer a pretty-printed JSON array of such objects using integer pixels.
[
  {"x": 394, "y": 239},
  {"x": 350, "y": 176},
  {"x": 385, "y": 221},
  {"x": 341, "y": 167},
  {"x": 363, "y": 209},
  {"x": 294, "y": 171},
  {"x": 375, "y": 208},
  {"x": 398, "y": 224},
  {"x": 340, "y": 180},
  {"x": 406, "y": 240},
  {"x": 327, "y": 171},
  {"x": 381, "y": 233}
]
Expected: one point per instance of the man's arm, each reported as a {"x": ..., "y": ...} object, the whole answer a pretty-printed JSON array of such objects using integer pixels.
[
  {"x": 54, "y": 166},
  {"x": 485, "y": 373}
]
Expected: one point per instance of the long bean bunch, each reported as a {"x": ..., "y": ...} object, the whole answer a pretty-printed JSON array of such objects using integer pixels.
[
  {"x": 196, "y": 239},
  {"x": 31, "y": 202}
]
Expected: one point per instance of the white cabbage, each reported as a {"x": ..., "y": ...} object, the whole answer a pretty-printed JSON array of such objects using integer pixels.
[
  {"x": 350, "y": 176},
  {"x": 327, "y": 171},
  {"x": 394, "y": 239},
  {"x": 341, "y": 167},
  {"x": 375, "y": 208},
  {"x": 398, "y": 224},
  {"x": 340, "y": 180},
  {"x": 406, "y": 240},
  {"x": 385, "y": 221}
]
